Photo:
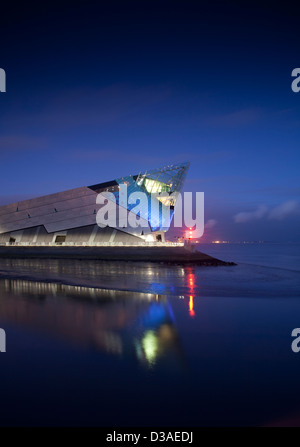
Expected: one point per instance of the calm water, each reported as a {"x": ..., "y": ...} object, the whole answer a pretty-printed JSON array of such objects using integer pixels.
[{"x": 115, "y": 344}]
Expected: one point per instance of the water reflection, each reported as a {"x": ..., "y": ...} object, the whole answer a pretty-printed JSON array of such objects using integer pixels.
[
  {"x": 191, "y": 278},
  {"x": 154, "y": 344},
  {"x": 91, "y": 268},
  {"x": 129, "y": 324},
  {"x": 191, "y": 306},
  {"x": 155, "y": 278}
]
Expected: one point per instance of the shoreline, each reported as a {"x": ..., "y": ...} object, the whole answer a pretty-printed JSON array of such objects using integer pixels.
[{"x": 166, "y": 255}]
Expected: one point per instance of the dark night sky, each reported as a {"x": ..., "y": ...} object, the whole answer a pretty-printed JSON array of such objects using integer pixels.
[{"x": 98, "y": 90}]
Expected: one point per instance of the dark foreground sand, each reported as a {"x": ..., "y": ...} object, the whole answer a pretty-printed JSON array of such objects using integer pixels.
[{"x": 169, "y": 255}]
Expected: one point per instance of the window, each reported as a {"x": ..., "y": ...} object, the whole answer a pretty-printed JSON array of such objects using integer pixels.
[{"x": 60, "y": 239}]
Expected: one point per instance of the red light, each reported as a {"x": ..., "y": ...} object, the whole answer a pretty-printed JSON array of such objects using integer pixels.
[
  {"x": 191, "y": 280},
  {"x": 191, "y": 306}
]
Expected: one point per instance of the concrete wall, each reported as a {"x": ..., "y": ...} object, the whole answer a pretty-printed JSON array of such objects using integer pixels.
[
  {"x": 72, "y": 211},
  {"x": 89, "y": 234}
]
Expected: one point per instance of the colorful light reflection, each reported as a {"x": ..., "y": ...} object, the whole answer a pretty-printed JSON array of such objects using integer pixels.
[
  {"x": 191, "y": 281},
  {"x": 191, "y": 306},
  {"x": 191, "y": 287}
]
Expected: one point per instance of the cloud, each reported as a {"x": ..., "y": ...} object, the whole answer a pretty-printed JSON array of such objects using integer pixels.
[
  {"x": 118, "y": 155},
  {"x": 210, "y": 223},
  {"x": 100, "y": 154},
  {"x": 17, "y": 143},
  {"x": 106, "y": 106},
  {"x": 247, "y": 216},
  {"x": 238, "y": 118},
  {"x": 280, "y": 212},
  {"x": 284, "y": 210},
  {"x": 206, "y": 156}
]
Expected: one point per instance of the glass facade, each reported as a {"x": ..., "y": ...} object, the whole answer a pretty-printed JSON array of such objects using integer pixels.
[{"x": 168, "y": 180}]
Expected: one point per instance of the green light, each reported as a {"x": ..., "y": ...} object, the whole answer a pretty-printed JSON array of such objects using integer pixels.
[
  {"x": 150, "y": 346},
  {"x": 155, "y": 186}
]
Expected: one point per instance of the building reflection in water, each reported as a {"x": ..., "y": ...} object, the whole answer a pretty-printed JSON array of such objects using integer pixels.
[
  {"x": 90, "y": 269},
  {"x": 149, "y": 277},
  {"x": 191, "y": 306},
  {"x": 159, "y": 335},
  {"x": 118, "y": 322},
  {"x": 191, "y": 287}
]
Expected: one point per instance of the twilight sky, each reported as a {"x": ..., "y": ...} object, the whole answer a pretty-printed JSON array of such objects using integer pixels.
[{"x": 98, "y": 90}]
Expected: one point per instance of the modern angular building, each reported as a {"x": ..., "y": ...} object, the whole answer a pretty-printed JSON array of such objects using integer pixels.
[{"x": 69, "y": 217}]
